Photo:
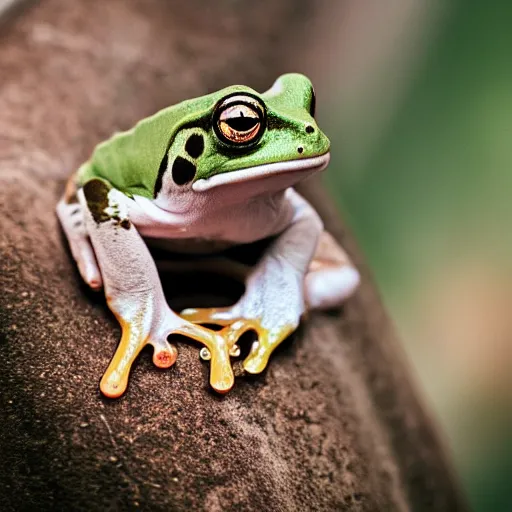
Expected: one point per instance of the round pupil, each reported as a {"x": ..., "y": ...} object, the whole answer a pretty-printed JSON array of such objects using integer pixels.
[{"x": 242, "y": 123}]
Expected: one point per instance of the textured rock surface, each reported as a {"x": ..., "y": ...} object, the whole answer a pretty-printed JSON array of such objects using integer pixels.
[{"x": 334, "y": 424}]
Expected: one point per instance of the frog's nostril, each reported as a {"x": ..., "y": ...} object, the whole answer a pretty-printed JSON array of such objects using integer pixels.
[
  {"x": 309, "y": 129},
  {"x": 300, "y": 149}
]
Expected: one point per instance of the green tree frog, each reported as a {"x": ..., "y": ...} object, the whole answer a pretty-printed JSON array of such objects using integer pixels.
[{"x": 209, "y": 173}]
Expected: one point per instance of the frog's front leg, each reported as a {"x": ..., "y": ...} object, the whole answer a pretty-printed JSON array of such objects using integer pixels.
[
  {"x": 134, "y": 292},
  {"x": 278, "y": 289},
  {"x": 71, "y": 217}
]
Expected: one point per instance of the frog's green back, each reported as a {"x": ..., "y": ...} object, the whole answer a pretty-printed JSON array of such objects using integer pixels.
[{"x": 130, "y": 160}]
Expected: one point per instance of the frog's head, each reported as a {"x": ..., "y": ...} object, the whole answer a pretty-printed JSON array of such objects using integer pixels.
[{"x": 243, "y": 141}]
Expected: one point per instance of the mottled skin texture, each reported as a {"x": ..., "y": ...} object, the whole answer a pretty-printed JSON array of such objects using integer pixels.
[{"x": 334, "y": 424}]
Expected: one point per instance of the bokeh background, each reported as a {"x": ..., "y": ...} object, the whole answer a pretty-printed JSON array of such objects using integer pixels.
[{"x": 418, "y": 105}]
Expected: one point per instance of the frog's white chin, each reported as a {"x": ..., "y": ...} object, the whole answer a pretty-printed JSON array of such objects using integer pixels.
[{"x": 301, "y": 165}]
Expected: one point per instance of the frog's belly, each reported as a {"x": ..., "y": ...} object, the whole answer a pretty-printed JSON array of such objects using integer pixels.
[{"x": 189, "y": 245}]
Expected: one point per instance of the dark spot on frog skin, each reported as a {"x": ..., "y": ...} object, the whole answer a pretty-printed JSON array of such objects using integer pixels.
[
  {"x": 96, "y": 194},
  {"x": 195, "y": 145},
  {"x": 183, "y": 171},
  {"x": 312, "y": 105},
  {"x": 124, "y": 223},
  {"x": 160, "y": 177},
  {"x": 309, "y": 129},
  {"x": 300, "y": 149},
  {"x": 204, "y": 122}
]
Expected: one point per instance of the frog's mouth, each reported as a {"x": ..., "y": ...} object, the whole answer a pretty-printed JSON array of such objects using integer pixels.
[{"x": 302, "y": 165}]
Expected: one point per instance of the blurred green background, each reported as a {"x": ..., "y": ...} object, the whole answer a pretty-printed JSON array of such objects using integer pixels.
[{"x": 422, "y": 169}]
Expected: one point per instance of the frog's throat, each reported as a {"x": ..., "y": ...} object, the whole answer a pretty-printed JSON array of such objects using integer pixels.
[{"x": 315, "y": 164}]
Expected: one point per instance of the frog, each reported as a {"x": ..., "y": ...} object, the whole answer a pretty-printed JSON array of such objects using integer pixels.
[{"x": 208, "y": 174}]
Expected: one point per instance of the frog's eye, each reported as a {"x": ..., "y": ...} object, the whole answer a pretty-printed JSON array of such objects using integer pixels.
[{"x": 239, "y": 120}]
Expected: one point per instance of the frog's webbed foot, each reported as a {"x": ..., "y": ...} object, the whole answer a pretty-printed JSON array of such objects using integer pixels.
[
  {"x": 219, "y": 351},
  {"x": 234, "y": 326},
  {"x": 136, "y": 335}
]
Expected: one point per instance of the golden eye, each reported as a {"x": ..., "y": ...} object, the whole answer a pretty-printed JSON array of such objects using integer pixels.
[
  {"x": 239, "y": 120},
  {"x": 239, "y": 123}
]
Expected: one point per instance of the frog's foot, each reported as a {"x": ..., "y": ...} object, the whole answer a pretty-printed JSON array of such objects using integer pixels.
[
  {"x": 133, "y": 340},
  {"x": 234, "y": 327},
  {"x": 135, "y": 337},
  {"x": 218, "y": 349}
]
